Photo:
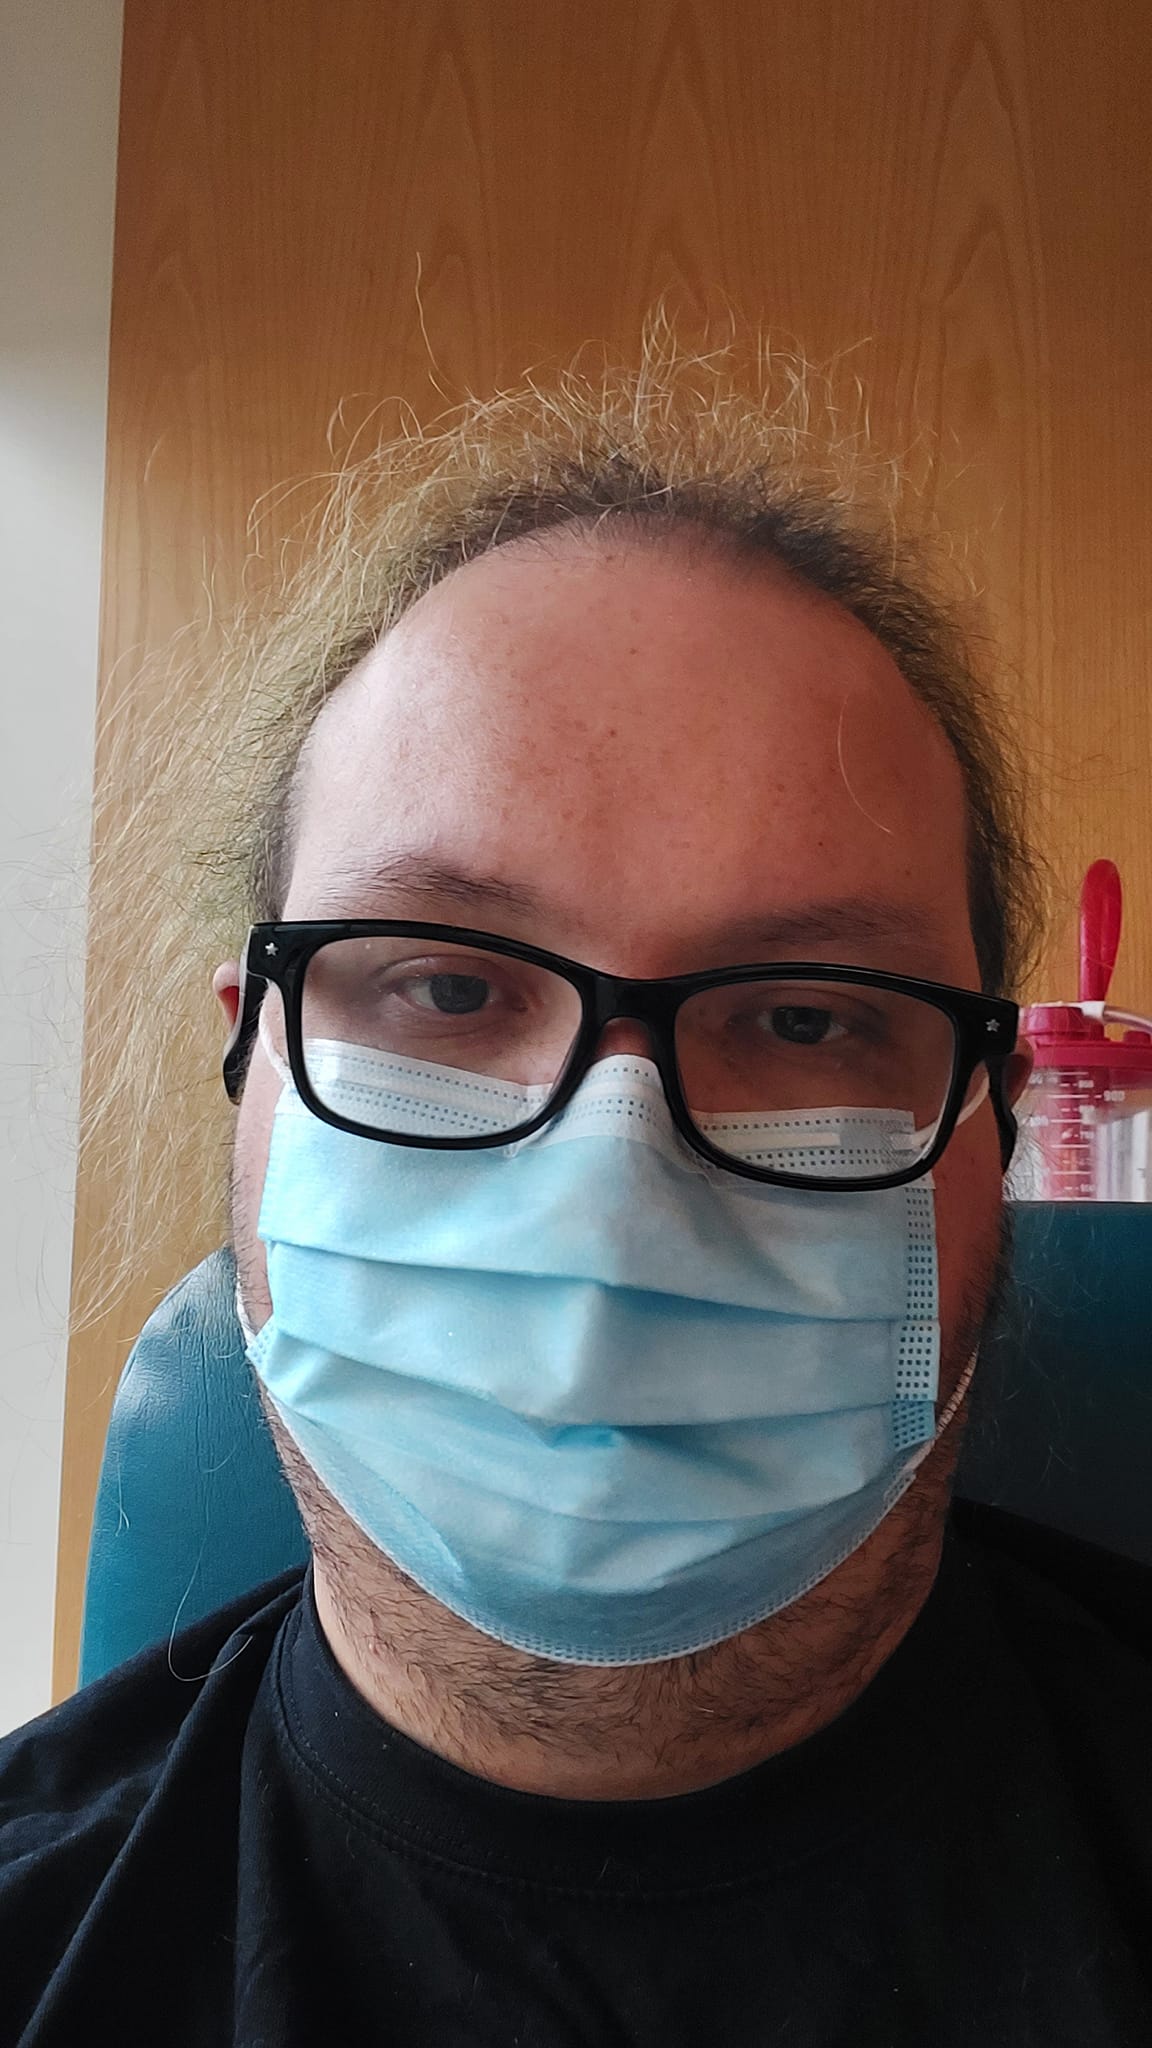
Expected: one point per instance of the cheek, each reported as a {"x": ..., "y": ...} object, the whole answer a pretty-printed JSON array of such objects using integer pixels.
[{"x": 969, "y": 1199}]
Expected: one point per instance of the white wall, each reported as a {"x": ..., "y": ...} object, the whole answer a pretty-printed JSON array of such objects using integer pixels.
[{"x": 59, "y": 104}]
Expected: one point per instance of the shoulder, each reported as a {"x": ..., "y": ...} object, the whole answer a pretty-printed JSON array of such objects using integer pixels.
[
  {"x": 1047, "y": 1580},
  {"x": 74, "y": 1781}
]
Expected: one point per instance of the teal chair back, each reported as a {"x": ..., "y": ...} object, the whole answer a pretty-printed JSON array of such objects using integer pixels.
[{"x": 192, "y": 1508}]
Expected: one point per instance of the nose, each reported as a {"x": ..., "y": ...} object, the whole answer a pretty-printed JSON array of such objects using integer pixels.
[{"x": 625, "y": 1035}]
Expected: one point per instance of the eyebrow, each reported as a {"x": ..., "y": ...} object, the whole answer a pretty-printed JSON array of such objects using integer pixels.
[{"x": 856, "y": 920}]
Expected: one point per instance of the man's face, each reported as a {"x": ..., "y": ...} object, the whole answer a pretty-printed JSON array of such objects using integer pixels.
[{"x": 662, "y": 751}]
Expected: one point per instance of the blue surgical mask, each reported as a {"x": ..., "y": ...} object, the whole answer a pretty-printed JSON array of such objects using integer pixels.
[{"x": 605, "y": 1401}]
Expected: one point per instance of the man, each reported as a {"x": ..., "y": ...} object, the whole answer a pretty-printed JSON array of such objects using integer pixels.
[{"x": 625, "y": 1087}]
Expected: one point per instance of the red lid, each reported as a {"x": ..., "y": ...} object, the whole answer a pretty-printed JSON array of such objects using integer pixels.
[
  {"x": 1042, "y": 1022},
  {"x": 1060, "y": 1034}
]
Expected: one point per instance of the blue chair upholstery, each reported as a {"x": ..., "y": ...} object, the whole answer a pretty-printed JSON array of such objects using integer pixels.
[{"x": 192, "y": 1508}]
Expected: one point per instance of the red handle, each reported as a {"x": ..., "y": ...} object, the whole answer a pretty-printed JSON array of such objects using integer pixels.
[{"x": 1100, "y": 906}]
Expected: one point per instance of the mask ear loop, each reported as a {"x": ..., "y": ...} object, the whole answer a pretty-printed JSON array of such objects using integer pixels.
[
  {"x": 969, "y": 1108},
  {"x": 965, "y": 1379},
  {"x": 279, "y": 1066},
  {"x": 957, "y": 1396},
  {"x": 922, "y": 1138},
  {"x": 246, "y": 1330},
  {"x": 275, "y": 1059}
]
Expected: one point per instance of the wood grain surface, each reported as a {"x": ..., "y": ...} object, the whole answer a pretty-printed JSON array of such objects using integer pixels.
[{"x": 956, "y": 193}]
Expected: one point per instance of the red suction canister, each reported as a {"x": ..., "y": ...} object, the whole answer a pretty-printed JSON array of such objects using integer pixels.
[{"x": 1086, "y": 1113}]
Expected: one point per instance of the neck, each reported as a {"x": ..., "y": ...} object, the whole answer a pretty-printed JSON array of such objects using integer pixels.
[{"x": 628, "y": 1732}]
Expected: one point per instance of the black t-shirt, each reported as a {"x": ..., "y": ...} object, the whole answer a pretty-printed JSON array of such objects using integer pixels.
[{"x": 222, "y": 1843}]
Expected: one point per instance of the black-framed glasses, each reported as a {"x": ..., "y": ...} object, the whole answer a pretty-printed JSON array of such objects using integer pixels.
[{"x": 794, "y": 1074}]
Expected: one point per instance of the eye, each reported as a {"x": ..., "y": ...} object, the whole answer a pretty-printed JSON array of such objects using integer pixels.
[
  {"x": 803, "y": 1024},
  {"x": 450, "y": 995}
]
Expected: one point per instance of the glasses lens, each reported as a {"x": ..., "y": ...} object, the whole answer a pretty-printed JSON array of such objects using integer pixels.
[
  {"x": 849, "y": 1078},
  {"x": 413, "y": 1036}
]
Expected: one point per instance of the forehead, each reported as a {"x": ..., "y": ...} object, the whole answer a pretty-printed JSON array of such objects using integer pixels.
[{"x": 656, "y": 739}]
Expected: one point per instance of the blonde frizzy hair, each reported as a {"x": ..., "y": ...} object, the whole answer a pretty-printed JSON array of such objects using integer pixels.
[{"x": 752, "y": 450}]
